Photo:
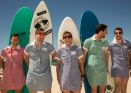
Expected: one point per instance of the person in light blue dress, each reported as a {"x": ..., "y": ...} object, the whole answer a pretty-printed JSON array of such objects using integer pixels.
[
  {"x": 119, "y": 50},
  {"x": 38, "y": 54},
  {"x": 70, "y": 69}
]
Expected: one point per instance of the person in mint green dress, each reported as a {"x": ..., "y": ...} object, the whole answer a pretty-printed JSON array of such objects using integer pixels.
[{"x": 96, "y": 61}]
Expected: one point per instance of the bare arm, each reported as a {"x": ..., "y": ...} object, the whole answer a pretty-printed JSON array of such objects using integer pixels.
[
  {"x": 107, "y": 53},
  {"x": 81, "y": 62},
  {"x": 57, "y": 65},
  {"x": 84, "y": 55},
  {"x": 57, "y": 70},
  {"x": 129, "y": 57},
  {"x": 26, "y": 58},
  {"x": 2, "y": 63}
]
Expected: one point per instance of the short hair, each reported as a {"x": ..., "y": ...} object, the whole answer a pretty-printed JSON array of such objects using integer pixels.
[
  {"x": 66, "y": 33},
  {"x": 40, "y": 29},
  {"x": 15, "y": 35},
  {"x": 100, "y": 27},
  {"x": 118, "y": 28}
]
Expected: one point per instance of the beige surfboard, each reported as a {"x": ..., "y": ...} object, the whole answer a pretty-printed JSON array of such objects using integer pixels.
[
  {"x": 110, "y": 80},
  {"x": 68, "y": 25}
]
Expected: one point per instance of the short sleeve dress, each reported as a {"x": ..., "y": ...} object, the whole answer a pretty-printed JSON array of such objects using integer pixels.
[
  {"x": 13, "y": 74},
  {"x": 70, "y": 76},
  {"x": 39, "y": 76},
  {"x": 119, "y": 58},
  {"x": 96, "y": 66}
]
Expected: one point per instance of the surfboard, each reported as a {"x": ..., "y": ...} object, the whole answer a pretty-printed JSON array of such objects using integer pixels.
[
  {"x": 21, "y": 26},
  {"x": 41, "y": 19},
  {"x": 68, "y": 25},
  {"x": 87, "y": 29},
  {"x": 110, "y": 81}
]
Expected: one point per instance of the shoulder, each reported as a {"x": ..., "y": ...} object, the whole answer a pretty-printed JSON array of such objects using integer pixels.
[
  {"x": 48, "y": 44},
  {"x": 75, "y": 47},
  {"x": 127, "y": 41},
  {"x": 6, "y": 48},
  {"x": 88, "y": 39}
]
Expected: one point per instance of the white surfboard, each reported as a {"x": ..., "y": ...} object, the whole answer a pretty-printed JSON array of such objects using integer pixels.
[
  {"x": 110, "y": 81},
  {"x": 41, "y": 18},
  {"x": 68, "y": 25}
]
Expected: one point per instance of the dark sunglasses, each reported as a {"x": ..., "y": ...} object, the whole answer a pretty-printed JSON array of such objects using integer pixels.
[
  {"x": 38, "y": 25},
  {"x": 118, "y": 33},
  {"x": 40, "y": 33},
  {"x": 67, "y": 37}
]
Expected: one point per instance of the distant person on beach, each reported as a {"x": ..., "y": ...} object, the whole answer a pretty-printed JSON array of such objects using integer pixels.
[
  {"x": 96, "y": 62},
  {"x": 37, "y": 55},
  {"x": 70, "y": 69},
  {"x": 12, "y": 64},
  {"x": 120, "y": 53}
]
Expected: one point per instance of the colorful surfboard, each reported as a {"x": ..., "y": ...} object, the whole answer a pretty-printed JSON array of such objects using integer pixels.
[
  {"x": 41, "y": 19},
  {"x": 21, "y": 26},
  {"x": 68, "y": 25},
  {"x": 87, "y": 30}
]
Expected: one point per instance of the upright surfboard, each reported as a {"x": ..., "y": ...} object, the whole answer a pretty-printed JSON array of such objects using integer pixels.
[
  {"x": 87, "y": 30},
  {"x": 110, "y": 81},
  {"x": 68, "y": 25},
  {"x": 21, "y": 26},
  {"x": 41, "y": 19}
]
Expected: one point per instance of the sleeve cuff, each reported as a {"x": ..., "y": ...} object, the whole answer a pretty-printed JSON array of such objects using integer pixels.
[
  {"x": 26, "y": 52},
  {"x": 80, "y": 57}
]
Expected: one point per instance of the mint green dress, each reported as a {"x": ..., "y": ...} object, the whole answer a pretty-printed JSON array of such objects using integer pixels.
[{"x": 96, "y": 66}]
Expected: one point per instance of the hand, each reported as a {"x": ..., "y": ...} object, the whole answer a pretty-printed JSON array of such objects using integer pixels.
[{"x": 82, "y": 79}]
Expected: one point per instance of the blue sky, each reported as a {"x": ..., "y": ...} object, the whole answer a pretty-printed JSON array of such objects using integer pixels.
[{"x": 111, "y": 12}]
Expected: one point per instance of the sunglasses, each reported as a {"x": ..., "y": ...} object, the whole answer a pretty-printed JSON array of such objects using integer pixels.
[
  {"x": 38, "y": 25},
  {"x": 67, "y": 37},
  {"x": 40, "y": 33},
  {"x": 118, "y": 33}
]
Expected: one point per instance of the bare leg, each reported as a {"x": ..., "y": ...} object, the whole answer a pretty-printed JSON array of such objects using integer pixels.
[
  {"x": 18, "y": 91},
  {"x": 66, "y": 91},
  {"x": 4, "y": 91},
  {"x": 77, "y": 91},
  {"x": 93, "y": 89},
  {"x": 48, "y": 91},
  {"x": 102, "y": 89},
  {"x": 118, "y": 83},
  {"x": 124, "y": 85},
  {"x": 33, "y": 92}
]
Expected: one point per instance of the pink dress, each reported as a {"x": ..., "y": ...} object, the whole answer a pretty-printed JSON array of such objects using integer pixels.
[{"x": 13, "y": 74}]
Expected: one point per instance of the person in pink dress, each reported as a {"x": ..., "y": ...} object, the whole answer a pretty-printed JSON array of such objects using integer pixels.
[{"x": 13, "y": 73}]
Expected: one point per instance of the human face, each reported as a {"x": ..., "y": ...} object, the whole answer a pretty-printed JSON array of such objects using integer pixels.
[
  {"x": 40, "y": 35},
  {"x": 103, "y": 33},
  {"x": 67, "y": 39},
  {"x": 14, "y": 40},
  {"x": 118, "y": 34}
]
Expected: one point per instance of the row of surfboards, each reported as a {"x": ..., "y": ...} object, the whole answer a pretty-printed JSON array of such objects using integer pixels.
[{"x": 25, "y": 24}]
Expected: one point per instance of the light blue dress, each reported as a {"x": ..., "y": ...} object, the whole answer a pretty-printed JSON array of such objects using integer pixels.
[
  {"x": 119, "y": 58},
  {"x": 70, "y": 75},
  {"x": 39, "y": 76}
]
